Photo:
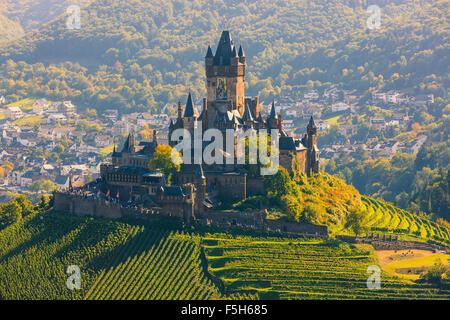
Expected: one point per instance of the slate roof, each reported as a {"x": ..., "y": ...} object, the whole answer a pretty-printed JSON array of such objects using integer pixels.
[
  {"x": 287, "y": 143},
  {"x": 209, "y": 53},
  {"x": 224, "y": 50},
  {"x": 190, "y": 110},
  {"x": 247, "y": 114},
  {"x": 60, "y": 179},
  {"x": 129, "y": 143},
  {"x": 173, "y": 191},
  {"x": 273, "y": 114},
  {"x": 311, "y": 123},
  {"x": 241, "y": 52},
  {"x": 132, "y": 170}
]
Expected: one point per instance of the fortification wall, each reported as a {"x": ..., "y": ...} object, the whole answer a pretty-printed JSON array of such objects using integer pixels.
[
  {"x": 255, "y": 220},
  {"x": 80, "y": 206},
  {"x": 393, "y": 243},
  {"x": 62, "y": 202},
  {"x": 255, "y": 186},
  {"x": 295, "y": 227}
]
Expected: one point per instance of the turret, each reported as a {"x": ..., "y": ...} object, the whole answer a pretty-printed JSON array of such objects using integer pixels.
[
  {"x": 272, "y": 120},
  {"x": 130, "y": 144},
  {"x": 190, "y": 110},
  {"x": 247, "y": 117},
  {"x": 204, "y": 116},
  {"x": 241, "y": 55},
  {"x": 180, "y": 110},
  {"x": 311, "y": 132},
  {"x": 155, "y": 140},
  {"x": 209, "y": 57},
  {"x": 190, "y": 115}
]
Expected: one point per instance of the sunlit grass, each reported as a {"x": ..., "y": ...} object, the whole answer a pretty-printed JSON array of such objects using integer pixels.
[
  {"x": 25, "y": 104},
  {"x": 30, "y": 120}
]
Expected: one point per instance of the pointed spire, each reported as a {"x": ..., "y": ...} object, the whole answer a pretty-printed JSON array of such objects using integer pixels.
[
  {"x": 234, "y": 53},
  {"x": 273, "y": 114},
  {"x": 224, "y": 49},
  {"x": 247, "y": 113},
  {"x": 311, "y": 123},
  {"x": 209, "y": 53},
  {"x": 190, "y": 110},
  {"x": 241, "y": 52},
  {"x": 129, "y": 143}
]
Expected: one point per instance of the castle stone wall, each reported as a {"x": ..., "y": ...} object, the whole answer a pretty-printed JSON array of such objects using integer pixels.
[
  {"x": 80, "y": 206},
  {"x": 255, "y": 220},
  {"x": 255, "y": 186}
]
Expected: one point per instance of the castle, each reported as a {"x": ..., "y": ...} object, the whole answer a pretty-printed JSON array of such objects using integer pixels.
[
  {"x": 197, "y": 188},
  {"x": 227, "y": 108}
]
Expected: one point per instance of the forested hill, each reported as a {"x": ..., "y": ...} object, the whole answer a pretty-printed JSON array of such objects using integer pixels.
[
  {"x": 138, "y": 55},
  {"x": 20, "y": 16}
]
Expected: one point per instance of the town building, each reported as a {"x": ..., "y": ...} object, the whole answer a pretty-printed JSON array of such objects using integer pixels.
[{"x": 13, "y": 113}]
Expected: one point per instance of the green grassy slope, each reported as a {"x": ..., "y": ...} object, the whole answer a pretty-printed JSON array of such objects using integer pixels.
[
  {"x": 304, "y": 269},
  {"x": 117, "y": 260},
  {"x": 160, "y": 260},
  {"x": 385, "y": 218}
]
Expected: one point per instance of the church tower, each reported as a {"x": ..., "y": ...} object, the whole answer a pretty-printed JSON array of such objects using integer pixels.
[{"x": 225, "y": 76}]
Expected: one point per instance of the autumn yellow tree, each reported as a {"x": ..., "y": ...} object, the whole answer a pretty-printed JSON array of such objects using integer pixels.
[{"x": 162, "y": 160}]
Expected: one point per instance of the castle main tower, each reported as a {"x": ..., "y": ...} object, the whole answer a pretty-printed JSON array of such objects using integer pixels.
[{"x": 225, "y": 75}]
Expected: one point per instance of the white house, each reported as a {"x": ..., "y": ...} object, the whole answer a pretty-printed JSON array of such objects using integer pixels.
[
  {"x": 13, "y": 113},
  {"x": 339, "y": 106},
  {"x": 347, "y": 129},
  {"x": 40, "y": 106},
  {"x": 378, "y": 96},
  {"x": 392, "y": 96},
  {"x": 56, "y": 118},
  {"x": 378, "y": 123},
  {"x": 103, "y": 141},
  {"x": 311, "y": 95},
  {"x": 112, "y": 114},
  {"x": 287, "y": 124},
  {"x": 66, "y": 107},
  {"x": 26, "y": 179},
  {"x": 322, "y": 125},
  {"x": 59, "y": 132}
]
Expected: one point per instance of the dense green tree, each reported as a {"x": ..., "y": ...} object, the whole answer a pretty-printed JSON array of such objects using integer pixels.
[{"x": 10, "y": 213}]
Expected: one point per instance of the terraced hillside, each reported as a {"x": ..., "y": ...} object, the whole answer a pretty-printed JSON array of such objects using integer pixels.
[
  {"x": 383, "y": 217},
  {"x": 160, "y": 259},
  {"x": 159, "y": 265},
  {"x": 303, "y": 269},
  {"x": 117, "y": 260}
]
